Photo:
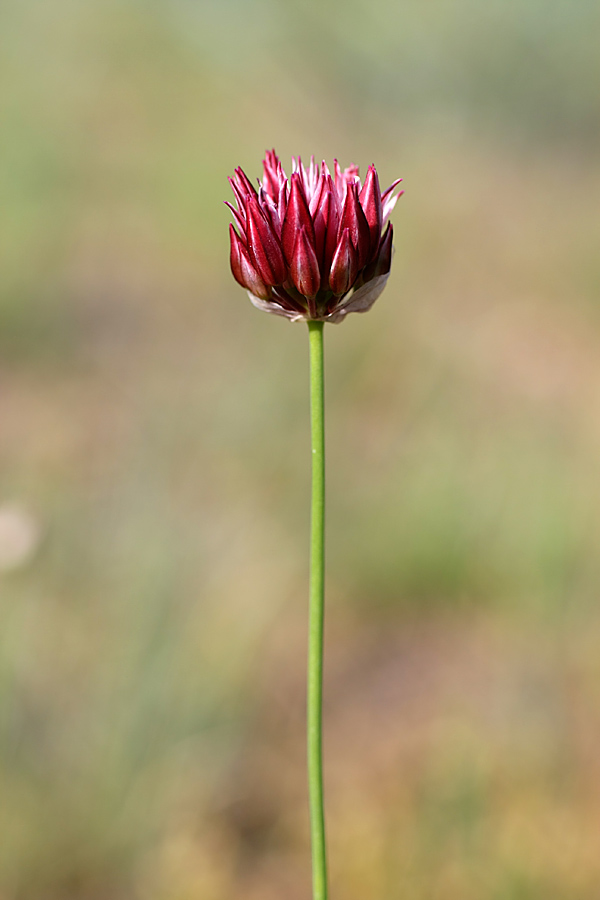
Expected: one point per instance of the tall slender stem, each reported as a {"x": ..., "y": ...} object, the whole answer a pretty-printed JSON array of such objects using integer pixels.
[{"x": 316, "y": 615}]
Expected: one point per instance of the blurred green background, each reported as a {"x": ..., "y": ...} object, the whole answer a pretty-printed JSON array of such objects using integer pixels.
[{"x": 154, "y": 456}]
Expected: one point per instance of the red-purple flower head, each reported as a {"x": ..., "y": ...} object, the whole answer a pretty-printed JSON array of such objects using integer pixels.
[{"x": 311, "y": 247}]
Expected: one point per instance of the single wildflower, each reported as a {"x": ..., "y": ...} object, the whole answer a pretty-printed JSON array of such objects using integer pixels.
[{"x": 312, "y": 246}]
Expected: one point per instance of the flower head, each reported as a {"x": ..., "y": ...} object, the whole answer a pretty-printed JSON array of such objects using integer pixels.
[{"x": 311, "y": 246}]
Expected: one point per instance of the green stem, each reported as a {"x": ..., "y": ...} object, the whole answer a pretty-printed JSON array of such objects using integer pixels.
[{"x": 316, "y": 611}]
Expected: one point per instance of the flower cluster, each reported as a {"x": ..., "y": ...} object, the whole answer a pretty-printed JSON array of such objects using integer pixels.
[{"x": 311, "y": 247}]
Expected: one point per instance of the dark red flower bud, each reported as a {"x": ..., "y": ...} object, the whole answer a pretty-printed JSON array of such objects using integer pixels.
[
  {"x": 304, "y": 267},
  {"x": 263, "y": 244},
  {"x": 318, "y": 195},
  {"x": 297, "y": 216},
  {"x": 238, "y": 216},
  {"x": 332, "y": 230},
  {"x": 370, "y": 200},
  {"x": 344, "y": 267},
  {"x": 353, "y": 218},
  {"x": 243, "y": 270},
  {"x": 383, "y": 263},
  {"x": 244, "y": 182},
  {"x": 269, "y": 207},
  {"x": 240, "y": 194},
  {"x": 322, "y": 217},
  {"x": 282, "y": 201}
]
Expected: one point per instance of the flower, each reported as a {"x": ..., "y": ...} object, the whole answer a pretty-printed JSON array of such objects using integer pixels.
[{"x": 311, "y": 246}]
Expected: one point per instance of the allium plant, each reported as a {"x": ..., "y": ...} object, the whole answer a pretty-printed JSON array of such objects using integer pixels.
[{"x": 313, "y": 247}]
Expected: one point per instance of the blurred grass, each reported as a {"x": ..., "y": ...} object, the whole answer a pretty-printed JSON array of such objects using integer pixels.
[{"x": 151, "y": 662}]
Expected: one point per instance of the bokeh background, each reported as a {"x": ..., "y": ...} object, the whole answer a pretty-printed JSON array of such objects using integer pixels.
[{"x": 154, "y": 456}]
